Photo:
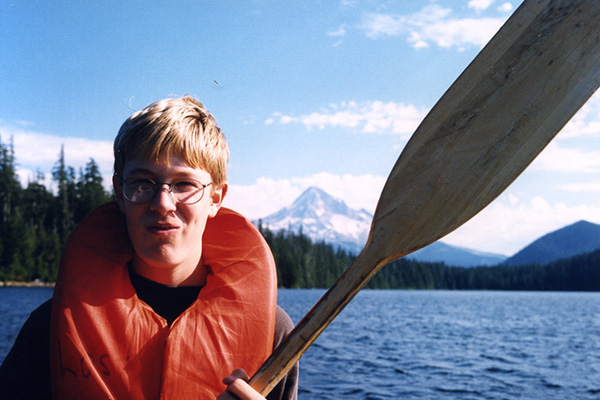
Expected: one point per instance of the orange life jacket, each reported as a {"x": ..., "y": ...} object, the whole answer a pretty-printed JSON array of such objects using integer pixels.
[{"x": 108, "y": 344}]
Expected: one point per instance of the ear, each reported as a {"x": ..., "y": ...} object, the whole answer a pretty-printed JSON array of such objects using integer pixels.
[
  {"x": 216, "y": 199},
  {"x": 118, "y": 193}
]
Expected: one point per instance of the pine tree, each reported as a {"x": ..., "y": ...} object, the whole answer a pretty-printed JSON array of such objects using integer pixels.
[
  {"x": 91, "y": 192},
  {"x": 38, "y": 209},
  {"x": 9, "y": 183},
  {"x": 64, "y": 178},
  {"x": 37, "y": 203}
]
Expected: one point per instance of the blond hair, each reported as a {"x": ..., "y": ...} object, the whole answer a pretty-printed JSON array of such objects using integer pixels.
[{"x": 177, "y": 126}]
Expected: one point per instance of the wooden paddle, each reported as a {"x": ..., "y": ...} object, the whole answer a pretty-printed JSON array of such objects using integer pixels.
[{"x": 522, "y": 88}]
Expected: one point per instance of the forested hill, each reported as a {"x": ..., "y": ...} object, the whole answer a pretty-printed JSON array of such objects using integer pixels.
[
  {"x": 569, "y": 241},
  {"x": 36, "y": 222}
]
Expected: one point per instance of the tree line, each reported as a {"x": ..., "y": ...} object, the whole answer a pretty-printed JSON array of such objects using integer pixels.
[
  {"x": 303, "y": 264},
  {"x": 36, "y": 223}
]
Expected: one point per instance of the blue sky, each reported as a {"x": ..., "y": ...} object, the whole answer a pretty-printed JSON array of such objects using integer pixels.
[{"x": 320, "y": 93}]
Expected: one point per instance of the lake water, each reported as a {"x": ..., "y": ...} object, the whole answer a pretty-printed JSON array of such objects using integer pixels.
[{"x": 430, "y": 344}]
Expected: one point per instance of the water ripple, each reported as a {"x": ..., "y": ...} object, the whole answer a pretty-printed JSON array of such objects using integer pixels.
[{"x": 454, "y": 345}]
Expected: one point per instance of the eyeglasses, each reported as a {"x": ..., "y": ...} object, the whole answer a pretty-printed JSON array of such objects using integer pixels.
[{"x": 184, "y": 191}]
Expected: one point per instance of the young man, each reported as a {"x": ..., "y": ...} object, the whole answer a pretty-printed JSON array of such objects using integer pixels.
[{"x": 163, "y": 293}]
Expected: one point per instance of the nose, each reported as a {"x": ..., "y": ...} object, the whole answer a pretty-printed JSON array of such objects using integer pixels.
[{"x": 163, "y": 201}]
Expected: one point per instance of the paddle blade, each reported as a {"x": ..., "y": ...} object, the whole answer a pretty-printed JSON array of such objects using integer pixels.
[{"x": 488, "y": 127}]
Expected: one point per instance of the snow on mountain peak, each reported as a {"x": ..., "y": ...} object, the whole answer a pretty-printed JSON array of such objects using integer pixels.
[{"x": 323, "y": 218}]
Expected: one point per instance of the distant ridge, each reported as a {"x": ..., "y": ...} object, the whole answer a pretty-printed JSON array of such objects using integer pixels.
[
  {"x": 578, "y": 238},
  {"x": 456, "y": 256}
]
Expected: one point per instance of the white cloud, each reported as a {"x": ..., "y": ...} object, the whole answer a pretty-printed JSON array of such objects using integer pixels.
[
  {"x": 561, "y": 159},
  {"x": 509, "y": 224},
  {"x": 341, "y": 31},
  {"x": 35, "y": 148},
  {"x": 377, "y": 25},
  {"x": 434, "y": 25},
  {"x": 367, "y": 117},
  {"x": 586, "y": 122},
  {"x": 25, "y": 123},
  {"x": 588, "y": 187},
  {"x": 338, "y": 33},
  {"x": 505, "y": 7},
  {"x": 480, "y": 5},
  {"x": 266, "y": 196}
]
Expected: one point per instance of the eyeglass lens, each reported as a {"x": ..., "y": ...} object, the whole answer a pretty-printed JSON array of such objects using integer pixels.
[{"x": 185, "y": 191}]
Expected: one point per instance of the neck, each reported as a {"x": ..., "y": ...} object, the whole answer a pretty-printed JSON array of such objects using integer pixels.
[{"x": 171, "y": 276}]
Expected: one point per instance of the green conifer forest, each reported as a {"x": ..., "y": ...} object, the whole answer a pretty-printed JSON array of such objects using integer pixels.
[{"x": 35, "y": 221}]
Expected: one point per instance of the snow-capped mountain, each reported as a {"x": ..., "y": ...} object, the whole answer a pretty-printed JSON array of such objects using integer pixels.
[{"x": 323, "y": 218}]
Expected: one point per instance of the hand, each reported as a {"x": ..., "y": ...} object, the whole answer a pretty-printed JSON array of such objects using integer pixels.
[{"x": 238, "y": 388}]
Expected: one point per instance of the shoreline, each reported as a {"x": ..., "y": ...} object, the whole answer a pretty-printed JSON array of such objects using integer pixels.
[{"x": 26, "y": 284}]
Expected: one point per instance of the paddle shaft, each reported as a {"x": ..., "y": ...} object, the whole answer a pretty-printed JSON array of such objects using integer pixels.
[{"x": 522, "y": 88}]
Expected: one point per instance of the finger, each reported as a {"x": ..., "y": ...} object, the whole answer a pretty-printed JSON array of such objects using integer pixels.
[{"x": 244, "y": 391}]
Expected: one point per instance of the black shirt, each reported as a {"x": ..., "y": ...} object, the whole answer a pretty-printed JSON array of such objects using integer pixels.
[{"x": 167, "y": 301}]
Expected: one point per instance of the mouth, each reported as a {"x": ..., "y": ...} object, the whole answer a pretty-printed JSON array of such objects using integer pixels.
[{"x": 161, "y": 229}]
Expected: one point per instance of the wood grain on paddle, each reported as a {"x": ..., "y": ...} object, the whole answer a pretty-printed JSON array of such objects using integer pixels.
[{"x": 522, "y": 88}]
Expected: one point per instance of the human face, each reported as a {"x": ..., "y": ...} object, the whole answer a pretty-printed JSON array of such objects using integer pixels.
[{"x": 167, "y": 235}]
